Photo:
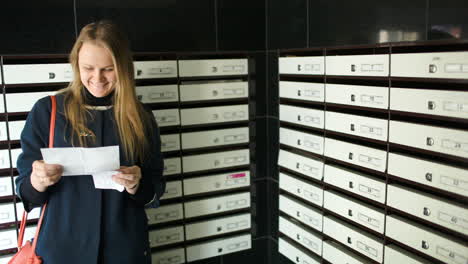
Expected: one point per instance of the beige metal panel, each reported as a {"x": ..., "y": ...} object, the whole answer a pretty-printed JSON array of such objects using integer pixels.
[
  {"x": 295, "y": 254},
  {"x": 37, "y": 73},
  {"x": 155, "y": 69},
  {"x": 357, "y": 95},
  {"x": 218, "y": 67},
  {"x": 431, "y": 65},
  {"x": 354, "y": 182},
  {"x": 426, "y": 240},
  {"x": 358, "y": 65},
  {"x": 213, "y": 90},
  {"x": 219, "y": 247},
  {"x": 313, "y": 92},
  {"x": 312, "y": 65},
  {"x": 432, "y": 138},
  {"x": 431, "y": 102},
  {"x": 433, "y": 174}
]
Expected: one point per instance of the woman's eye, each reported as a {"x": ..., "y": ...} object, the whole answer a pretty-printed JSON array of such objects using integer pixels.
[{"x": 109, "y": 69}]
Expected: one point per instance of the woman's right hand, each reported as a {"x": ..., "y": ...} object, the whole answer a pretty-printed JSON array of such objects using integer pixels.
[{"x": 44, "y": 175}]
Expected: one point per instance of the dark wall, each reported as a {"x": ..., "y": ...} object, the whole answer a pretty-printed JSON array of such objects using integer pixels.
[
  {"x": 51, "y": 26},
  {"x": 324, "y": 23}
]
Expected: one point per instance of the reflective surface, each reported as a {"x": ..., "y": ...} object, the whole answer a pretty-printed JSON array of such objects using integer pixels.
[
  {"x": 334, "y": 23},
  {"x": 448, "y": 19}
]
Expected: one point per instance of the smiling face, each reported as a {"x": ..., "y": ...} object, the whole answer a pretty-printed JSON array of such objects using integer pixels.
[{"x": 97, "y": 70}]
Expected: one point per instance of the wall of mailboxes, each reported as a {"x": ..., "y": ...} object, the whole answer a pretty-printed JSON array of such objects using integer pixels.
[
  {"x": 373, "y": 151},
  {"x": 202, "y": 106},
  {"x": 373, "y": 160}
]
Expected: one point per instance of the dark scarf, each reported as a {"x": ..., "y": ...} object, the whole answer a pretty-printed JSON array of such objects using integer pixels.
[{"x": 98, "y": 101}]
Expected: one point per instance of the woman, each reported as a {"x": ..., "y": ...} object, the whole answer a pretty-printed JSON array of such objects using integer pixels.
[{"x": 83, "y": 224}]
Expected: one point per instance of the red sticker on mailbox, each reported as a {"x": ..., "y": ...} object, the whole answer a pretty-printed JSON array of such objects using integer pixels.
[{"x": 237, "y": 175}]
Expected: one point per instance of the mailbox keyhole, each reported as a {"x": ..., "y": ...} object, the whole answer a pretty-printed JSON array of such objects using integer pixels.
[
  {"x": 353, "y": 67},
  {"x": 426, "y": 211},
  {"x": 350, "y": 212},
  {"x": 424, "y": 245},
  {"x": 429, "y": 141},
  {"x": 352, "y": 127},
  {"x": 351, "y": 185},
  {"x": 431, "y": 105},
  {"x": 350, "y": 156},
  {"x": 353, "y": 98},
  {"x": 349, "y": 240},
  {"x": 429, "y": 176}
]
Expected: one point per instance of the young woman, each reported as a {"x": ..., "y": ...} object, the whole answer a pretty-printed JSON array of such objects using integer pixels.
[{"x": 83, "y": 224}]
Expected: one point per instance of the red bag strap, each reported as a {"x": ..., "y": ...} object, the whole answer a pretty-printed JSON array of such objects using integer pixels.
[{"x": 25, "y": 214}]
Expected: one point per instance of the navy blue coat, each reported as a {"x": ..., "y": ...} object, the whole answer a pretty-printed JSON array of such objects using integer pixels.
[{"x": 83, "y": 224}]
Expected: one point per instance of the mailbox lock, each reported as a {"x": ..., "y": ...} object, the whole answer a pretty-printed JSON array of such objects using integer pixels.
[
  {"x": 220, "y": 250},
  {"x": 349, "y": 240},
  {"x": 298, "y": 92},
  {"x": 352, "y": 127},
  {"x": 297, "y": 165},
  {"x": 214, "y": 69},
  {"x": 298, "y": 237},
  {"x": 51, "y": 75},
  {"x": 429, "y": 176},
  {"x": 424, "y": 245},
  {"x": 429, "y": 141},
  {"x": 215, "y": 93},
  {"x": 350, "y": 155},
  {"x": 431, "y": 105},
  {"x": 351, "y": 185},
  {"x": 350, "y": 212},
  {"x": 139, "y": 72},
  {"x": 298, "y": 214},
  {"x": 353, "y": 67},
  {"x": 432, "y": 68},
  {"x": 298, "y": 67},
  {"x": 298, "y": 118},
  {"x": 353, "y": 98},
  {"x": 298, "y": 142},
  {"x": 297, "y": 259},
  {"x": 426, "y": 211}
]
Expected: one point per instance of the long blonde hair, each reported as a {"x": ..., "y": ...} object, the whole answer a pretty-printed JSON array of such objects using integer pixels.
[{"x": 129, "y": 114}]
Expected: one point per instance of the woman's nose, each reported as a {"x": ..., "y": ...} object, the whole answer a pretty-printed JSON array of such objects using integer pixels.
[{"x": 99, "y": 76}]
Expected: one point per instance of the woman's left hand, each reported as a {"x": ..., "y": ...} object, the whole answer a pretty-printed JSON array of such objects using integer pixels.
[{"x": 129, "y": 177}]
